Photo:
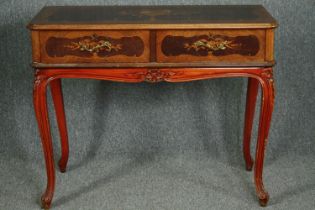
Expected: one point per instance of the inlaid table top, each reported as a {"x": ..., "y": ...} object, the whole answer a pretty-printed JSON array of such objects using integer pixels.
[{"x": 131, "y": 17}]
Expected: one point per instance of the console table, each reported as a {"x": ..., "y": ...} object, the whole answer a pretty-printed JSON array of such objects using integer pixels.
[{"x": 152, "y": 44}]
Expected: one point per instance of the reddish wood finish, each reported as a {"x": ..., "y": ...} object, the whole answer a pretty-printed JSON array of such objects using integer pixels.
[
  {"x": 264, "y": 76},
  {"x": 40, "y": 105},
  {"x": 252, "y": 90},
  {"x": 261, "y": 75},
  {"x": 153, "y": 44},
  {"x": 56, "y": 93},
  {"x": 267, "y": 104}
]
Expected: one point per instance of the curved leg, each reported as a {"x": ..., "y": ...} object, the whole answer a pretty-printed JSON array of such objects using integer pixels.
[
  {"x": 56, "y": 92},
  {"x": 252, "y": 89},
  {"x": 40, "y": 106},
  {"x": 156, "y": 75},
  {"x": 264, "y": 124}
]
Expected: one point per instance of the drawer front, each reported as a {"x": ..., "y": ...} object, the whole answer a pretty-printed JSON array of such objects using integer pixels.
[
  {"x": 221, "y": 46},
  {"x": 94, "y": 46}
]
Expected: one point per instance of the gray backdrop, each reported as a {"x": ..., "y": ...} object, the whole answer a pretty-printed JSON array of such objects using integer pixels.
[{"x": 160, "y": 146}]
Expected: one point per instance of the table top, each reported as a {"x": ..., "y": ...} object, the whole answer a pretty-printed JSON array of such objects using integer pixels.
[{"x": 152, "y": 17}]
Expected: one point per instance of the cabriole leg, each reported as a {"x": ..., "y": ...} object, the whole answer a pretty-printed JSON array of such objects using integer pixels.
[
  {"x": 267, "y": 104},
  {"x": 252, "y": 89},
  {"x": 56, "y": 92},
  {"x": 40, "y": 106}
]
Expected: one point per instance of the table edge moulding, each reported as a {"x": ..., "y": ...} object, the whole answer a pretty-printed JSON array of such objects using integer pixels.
[{"x": 152, "y": 44}]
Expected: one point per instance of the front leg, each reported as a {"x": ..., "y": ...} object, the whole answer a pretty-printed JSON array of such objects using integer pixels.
[
  {"x": 252, "y": 89},
  {"x": 267, "y": 104},
  {"x": 40, "y": 106},
  {"x": 56, "y": 93}
]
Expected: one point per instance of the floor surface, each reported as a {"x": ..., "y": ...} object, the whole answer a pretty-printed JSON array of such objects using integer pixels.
[{"x": 158, "y": 181}]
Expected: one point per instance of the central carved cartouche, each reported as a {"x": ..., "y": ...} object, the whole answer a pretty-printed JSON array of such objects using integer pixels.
[{"x": 156, "y": 75}]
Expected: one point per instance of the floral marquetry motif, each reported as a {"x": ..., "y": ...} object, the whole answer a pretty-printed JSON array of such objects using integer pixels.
[
  {"x": 214, "y": 44},
  {"x": 94, "y": 45}
]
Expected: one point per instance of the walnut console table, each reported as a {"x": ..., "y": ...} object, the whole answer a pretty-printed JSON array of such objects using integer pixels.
[{"x": 152, "y": 44}]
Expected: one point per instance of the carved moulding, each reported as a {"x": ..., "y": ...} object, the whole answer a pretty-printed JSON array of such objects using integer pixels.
[{"x": 156, "y": 75}]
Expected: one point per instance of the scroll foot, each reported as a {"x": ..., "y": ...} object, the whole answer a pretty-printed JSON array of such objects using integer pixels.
[
  {"x": 263, "y": 200},
  {"x": 62, "y": 166},
  {"x": 46, "y": 202},
  {"x": 249, "y": 165}
]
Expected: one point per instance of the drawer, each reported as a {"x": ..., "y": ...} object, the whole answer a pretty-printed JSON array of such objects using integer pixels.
[
  {"x": 217, "y": 46},
  {"x": 94, "y": 46}
]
